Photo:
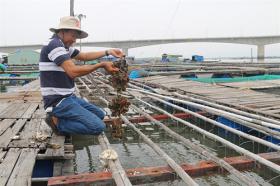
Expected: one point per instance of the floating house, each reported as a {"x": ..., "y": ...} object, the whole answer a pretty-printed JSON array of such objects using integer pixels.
[
  {"x": 24, "y": 57},
  {"x": 170, "y": 57}
]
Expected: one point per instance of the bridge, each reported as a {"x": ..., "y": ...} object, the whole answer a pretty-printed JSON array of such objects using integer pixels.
[{"x": 125, "y": 45}]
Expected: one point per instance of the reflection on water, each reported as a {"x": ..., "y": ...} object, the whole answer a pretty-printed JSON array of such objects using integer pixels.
[{"x": 133, "y": 152}]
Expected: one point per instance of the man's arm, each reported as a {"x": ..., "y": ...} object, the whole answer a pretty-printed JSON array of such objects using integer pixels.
[
  {"x": 87, "y": 56},
  {"x": 73, "y": 70}
]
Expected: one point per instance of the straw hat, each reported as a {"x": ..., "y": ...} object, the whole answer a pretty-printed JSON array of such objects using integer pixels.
[{"x": 72, "y": 23}]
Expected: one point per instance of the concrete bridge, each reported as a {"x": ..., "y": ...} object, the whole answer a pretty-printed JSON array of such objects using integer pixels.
[{"x": 259, "y": 41}]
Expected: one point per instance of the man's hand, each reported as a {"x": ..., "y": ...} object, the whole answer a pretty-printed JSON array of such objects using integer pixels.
[
  {"x": 109, "y": 67},
  {"x": 116, "y": 53}
]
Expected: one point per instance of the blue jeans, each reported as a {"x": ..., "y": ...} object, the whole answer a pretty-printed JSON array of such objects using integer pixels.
[{"x": 76, "y": 116}]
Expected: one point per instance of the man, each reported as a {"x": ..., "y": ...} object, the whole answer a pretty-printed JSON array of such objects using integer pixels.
[
  {"x": 66, "y": 113},
  {"x": 2, "y": 67},
  {"x": 3, "y": 63}
]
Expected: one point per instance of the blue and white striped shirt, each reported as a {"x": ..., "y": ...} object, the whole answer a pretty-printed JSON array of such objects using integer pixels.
[{"x": 55, "y": 83}]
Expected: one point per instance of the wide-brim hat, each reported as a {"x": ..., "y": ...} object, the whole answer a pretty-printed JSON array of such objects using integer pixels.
[{"x": 72, "y": 23}]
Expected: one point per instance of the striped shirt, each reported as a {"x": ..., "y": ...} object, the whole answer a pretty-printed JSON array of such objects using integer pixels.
[{"x": 55, "y": 83}]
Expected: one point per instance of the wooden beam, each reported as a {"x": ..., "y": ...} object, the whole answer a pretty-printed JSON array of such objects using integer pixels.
[
  {"x": 17, "y": 78},
  {"x": 140, "y": 119},
  {"x": 153, "y": 174}
]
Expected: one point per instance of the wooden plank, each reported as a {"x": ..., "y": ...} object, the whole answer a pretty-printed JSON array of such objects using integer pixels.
[
  {"x": 260, "y": 105},
  {"x": 269, "y": 108},
  {"x": 6, "y": 167},
  {"x": 254, "y": 103},
  {"x": 15, "y": 110},
  {"x": 6, "y": 137},
  {"x": 33, "y": 96},
  {"x": 176, "y": 84},
  {"x": 56, "y": 152},
  {"x": 63, "y": 168},
  {"x": 10, "y": 109},
  {"x": 253, "y": 84},
  {"x": 240, "y": 98},
  {"x": 11, "y": 94},
  {"x": 30, "y": 129},
  {"x": 31, "y": 109},
  {"x": 2, "y": 154},
  {"x": 39, "y": 113},
  {"x": 33, "y": 86},
  {"x": 20, "y": 110},
  {"x": 172, "y": 81},
  {"x": 150, "y": 78},
  {"x": 44, "y": 128},
  {"x": 68, "y": 168},
  {"x": 4, "y": 124},
  {"x": 27, "y": 135},
  {"x": 23, "y": 169},
  {"x": 273, "y": 111},
  {"x": 237, "y": 95},
  {"x": 4, "y": 105},
  {"x": 57, "y": 168}
]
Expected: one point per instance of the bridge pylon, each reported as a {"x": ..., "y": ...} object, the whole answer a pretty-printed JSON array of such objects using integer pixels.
[
  {"x": 261, "y": 53},
  {"x": 125, "y": 50}
]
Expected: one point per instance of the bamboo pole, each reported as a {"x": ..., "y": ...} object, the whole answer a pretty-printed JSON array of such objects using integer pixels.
[
  {"x": 266, "y": 131},
  {"x": 177, "y": 168},
  {"x": 118, "y": 172},
  {"x": 246, "y": 180},
  {"x": 227, "y": 143},
  {"x": 237, "y": 132},
  {"x": 219, "y": 106},
  {"x": 258, "y": 117},
  {"x": 142, "y": 86},
  {"x": 262, "y": 129},
  {"x": 211, "y": 110},
  {"x": 261, "y": 160}
]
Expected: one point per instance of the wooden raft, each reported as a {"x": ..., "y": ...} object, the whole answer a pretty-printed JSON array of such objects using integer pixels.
[
  {"x": 265, "y": 103},
  {"x": 25, "y": 137}
]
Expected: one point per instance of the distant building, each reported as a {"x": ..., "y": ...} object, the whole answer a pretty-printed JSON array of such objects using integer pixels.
[
  {"x": 170, "y": 57},
  {"x": 197, "y": 58},
  {"x": 24, "y": 57}
]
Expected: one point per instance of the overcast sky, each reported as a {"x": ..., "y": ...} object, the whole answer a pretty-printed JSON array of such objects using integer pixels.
[{"x": 28, "y": 21}]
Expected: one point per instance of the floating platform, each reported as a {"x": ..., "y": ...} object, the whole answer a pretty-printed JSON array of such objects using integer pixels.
[
  {"x": 29, "y": 151},
  {"x": 22, "y": 127},
  {"x": 233, "y": 94}
]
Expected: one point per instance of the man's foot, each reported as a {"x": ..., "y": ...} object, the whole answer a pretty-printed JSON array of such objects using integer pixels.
[{"x": 51, "y": 123}]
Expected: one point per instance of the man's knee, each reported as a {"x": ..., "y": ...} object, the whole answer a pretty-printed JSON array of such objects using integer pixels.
[
  {"x": 101, "y": 114},
  {"x": 98, "y": 130}
]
